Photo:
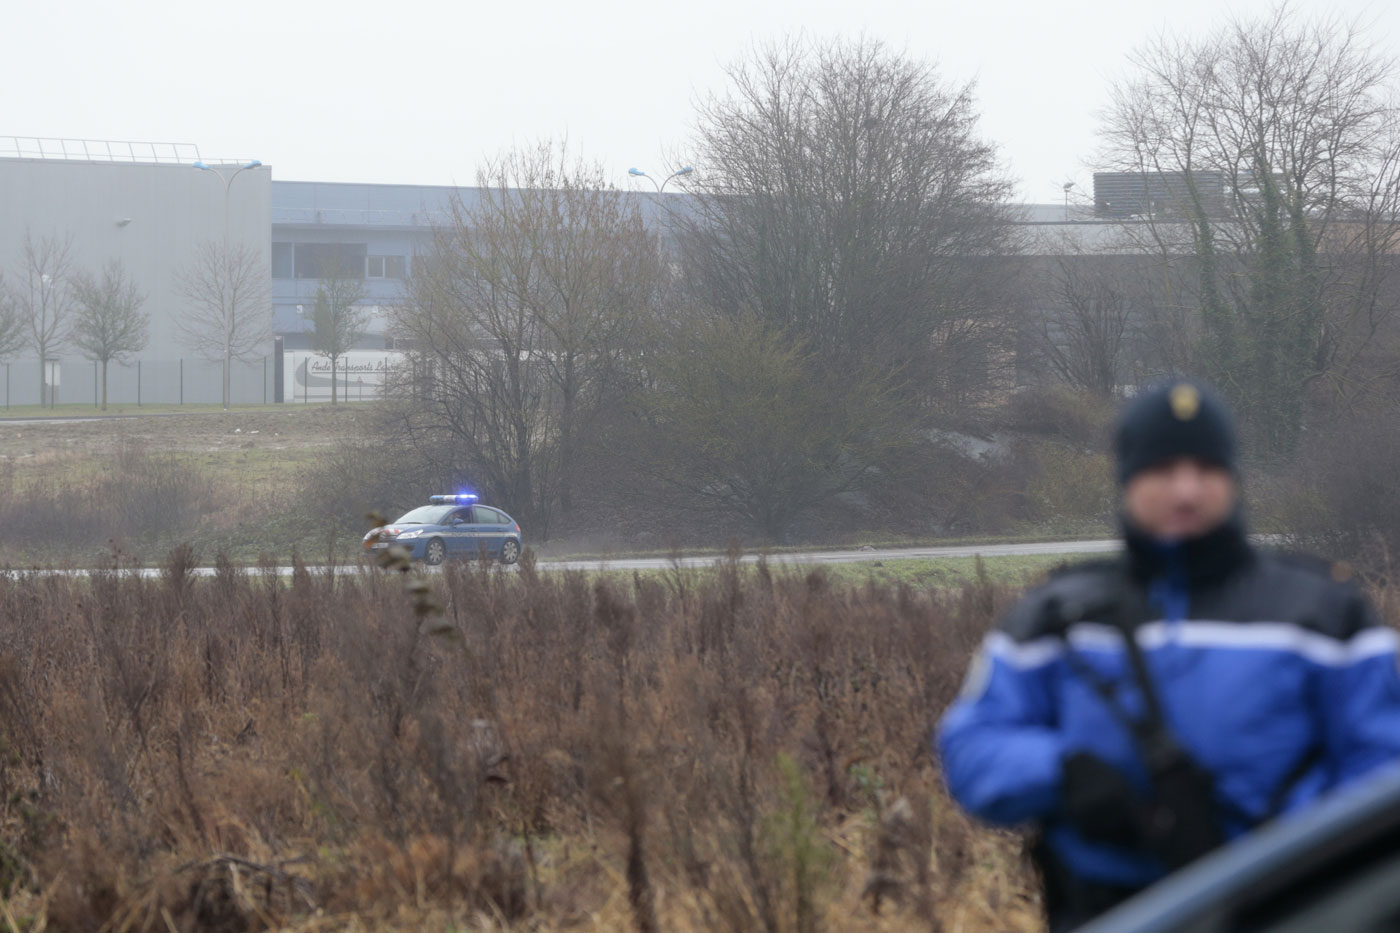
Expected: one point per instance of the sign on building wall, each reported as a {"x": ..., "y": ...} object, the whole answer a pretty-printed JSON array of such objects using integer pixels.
[{"x": 359, "y": 375}]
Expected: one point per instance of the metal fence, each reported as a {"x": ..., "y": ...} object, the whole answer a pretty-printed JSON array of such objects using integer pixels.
[{"x": 185, "y": 381}]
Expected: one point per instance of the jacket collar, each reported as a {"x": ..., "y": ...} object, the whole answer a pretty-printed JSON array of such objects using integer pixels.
[{"x": 1213, "y": 556}]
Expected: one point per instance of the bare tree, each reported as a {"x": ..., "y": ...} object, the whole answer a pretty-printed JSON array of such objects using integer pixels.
[
  {"x": 44, "y": 297},
  {"x": 742, "y": 418},
  {"x": 229, "y": 315},
  {"x": 13, "y": 328},
  {"x": 844, "y": 194},
  {"x": 1100, "y": 323},
  {"x": 1270, "y": 158},
  {"x": 1082, "y": 331},
  {"x": 340, "y": 320},
  {"x": 523, "y": 316},
  {"x": 109, "y": 323}
]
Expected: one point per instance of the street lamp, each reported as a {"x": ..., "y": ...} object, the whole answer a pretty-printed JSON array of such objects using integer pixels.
[
  {"x": 48, "y": 364},
  {"x": 678, "y": 173},
  {"x": 228, "y": 186},
  {"x": 1067, "y": 185}
]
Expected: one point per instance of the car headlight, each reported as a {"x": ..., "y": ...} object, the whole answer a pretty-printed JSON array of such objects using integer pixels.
[{"x": 408, "y": 534}]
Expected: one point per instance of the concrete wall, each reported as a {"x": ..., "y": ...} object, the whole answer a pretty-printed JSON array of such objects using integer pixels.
[{"x": 171, "y": 209}]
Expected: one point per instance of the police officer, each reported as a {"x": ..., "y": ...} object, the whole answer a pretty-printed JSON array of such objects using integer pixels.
[{"x": 1139, "y": 711}]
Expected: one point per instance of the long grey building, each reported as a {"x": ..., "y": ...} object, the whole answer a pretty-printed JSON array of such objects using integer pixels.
[
  {"x": 145, "y": 206},
  {"x": 149, "y": 206}
]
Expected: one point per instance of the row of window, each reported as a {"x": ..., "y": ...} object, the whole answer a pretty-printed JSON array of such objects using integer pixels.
[{"x": 334, "y": 260}]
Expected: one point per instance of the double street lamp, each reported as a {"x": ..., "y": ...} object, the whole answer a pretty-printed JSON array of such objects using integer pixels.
[
  {"x": 679, "y": 173},
  {"x": 228, "y": 185}
]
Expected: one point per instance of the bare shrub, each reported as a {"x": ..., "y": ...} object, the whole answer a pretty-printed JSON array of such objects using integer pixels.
[
  {"x": 936, "y": 488},
  {"x": 376, "y": 462},
  {"x": 1339, "y": 498},
  {"x": 1082, "y": 418},
  {"x": 689, "y": 750},
  {"x": 138, "y": 497},
  {"x": 1066, "y": 488},
  {"x": 150, "y": 495}
]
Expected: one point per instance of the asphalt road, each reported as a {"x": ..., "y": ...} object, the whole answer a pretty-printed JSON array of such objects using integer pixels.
[
  {"x": 848, "y": 557},
  {"x": 793, "y": 558}
]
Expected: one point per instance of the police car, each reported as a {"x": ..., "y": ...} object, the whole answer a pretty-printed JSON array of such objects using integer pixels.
[{"x": 454, "y": 525}]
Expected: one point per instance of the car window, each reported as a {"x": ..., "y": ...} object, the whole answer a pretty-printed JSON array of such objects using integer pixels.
[
  {"x": 1335, "y": 867},
  {"x": 485, "y": 516},
  {"x": 424, "y": 515},
  {"x": 1357, "y": 889},
  {"x": 463, "y": 514}
]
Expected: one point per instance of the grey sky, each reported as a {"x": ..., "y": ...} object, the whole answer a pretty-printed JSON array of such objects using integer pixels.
[{"x": 418, "y": 91}]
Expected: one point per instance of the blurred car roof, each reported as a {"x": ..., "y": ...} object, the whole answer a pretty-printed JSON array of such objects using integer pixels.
[{"x": 1334, "y": 866}]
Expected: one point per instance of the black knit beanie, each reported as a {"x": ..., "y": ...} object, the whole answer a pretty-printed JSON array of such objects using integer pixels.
[{"x": 1180, "y": 418}]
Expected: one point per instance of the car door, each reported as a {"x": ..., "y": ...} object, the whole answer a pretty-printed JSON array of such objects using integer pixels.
[
  {"x": 1334, "y": 866},
  {"x": 491, "y": 529},
  {"x": 460, "y": 533}
]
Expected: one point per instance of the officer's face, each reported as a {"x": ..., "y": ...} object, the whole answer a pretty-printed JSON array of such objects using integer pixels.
[{"x": 1179, "y": 499}]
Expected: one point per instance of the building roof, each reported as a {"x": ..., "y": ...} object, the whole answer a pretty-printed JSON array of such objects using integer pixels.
[{"x": 323, "y": 203}]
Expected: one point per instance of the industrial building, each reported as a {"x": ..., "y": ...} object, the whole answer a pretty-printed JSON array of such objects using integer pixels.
[{"x": 152, "y": 205}]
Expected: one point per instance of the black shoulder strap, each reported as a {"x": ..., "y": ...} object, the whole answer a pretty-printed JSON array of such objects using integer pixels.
[
  {"x": 1311, "y": 758},
  {"x": 1127, "y": 611},
  {"x": 1156, "y": 743}
]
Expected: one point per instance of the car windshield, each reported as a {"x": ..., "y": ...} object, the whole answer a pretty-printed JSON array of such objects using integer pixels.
[{"x": 425, "y": 515}]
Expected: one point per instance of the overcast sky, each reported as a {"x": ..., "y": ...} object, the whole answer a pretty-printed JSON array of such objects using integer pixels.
[{"x": 418, "y": 91}]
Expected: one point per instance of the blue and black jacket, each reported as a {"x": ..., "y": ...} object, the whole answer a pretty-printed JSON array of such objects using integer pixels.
[{"x": 1273, "y": 674}]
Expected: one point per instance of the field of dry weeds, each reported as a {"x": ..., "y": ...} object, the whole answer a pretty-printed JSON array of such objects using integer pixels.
[
  {"x": 70, "y": 488},
  {"x": 707, "y": 750}
]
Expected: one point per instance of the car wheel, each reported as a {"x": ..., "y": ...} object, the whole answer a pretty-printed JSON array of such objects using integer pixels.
[
  {"x": 435, "y": 553},
  {"x": 510, "y": 551}
]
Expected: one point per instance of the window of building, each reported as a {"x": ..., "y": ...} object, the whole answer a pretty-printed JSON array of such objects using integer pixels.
[
  {"x": 385, "y": 267},
  {"x": 330, "y": 260},
  {"x": 281, "y": 260}
]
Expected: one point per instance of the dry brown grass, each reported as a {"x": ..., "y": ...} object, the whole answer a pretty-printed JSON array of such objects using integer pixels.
[{"x": 709, "y": 751}]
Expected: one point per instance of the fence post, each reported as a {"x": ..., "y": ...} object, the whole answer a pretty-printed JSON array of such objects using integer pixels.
[
  {"x": 264, "y": 380},
  {"x": 94, "y": 383},
  {"x": 182, "y": 380},
  {"x": 138, "y": 383}
]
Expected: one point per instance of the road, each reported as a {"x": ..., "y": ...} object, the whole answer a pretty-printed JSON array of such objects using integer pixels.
[
  {"x": 849, "y": 557},
  {"x": 793, "y": 558}
]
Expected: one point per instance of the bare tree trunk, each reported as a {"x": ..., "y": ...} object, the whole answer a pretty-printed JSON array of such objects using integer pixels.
[
  {"x": 333, "y": 386},
  {"x": 104, "y": 385},
  {"x": 228, "y": 365}
]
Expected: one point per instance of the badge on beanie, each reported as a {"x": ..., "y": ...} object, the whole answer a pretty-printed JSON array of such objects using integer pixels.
[{"x": 1185, "y": 401}]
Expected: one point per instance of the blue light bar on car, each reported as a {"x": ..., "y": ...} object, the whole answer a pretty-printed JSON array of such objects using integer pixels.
[{"x": 461, "y": 497}]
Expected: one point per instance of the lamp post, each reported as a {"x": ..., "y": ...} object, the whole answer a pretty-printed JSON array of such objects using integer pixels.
[
  {"x": 228, "y": 186},
  {"x": 1067, "y": 185},
  {"x": 45, "y": 363},
  {"x": 678, "y": 173}
]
